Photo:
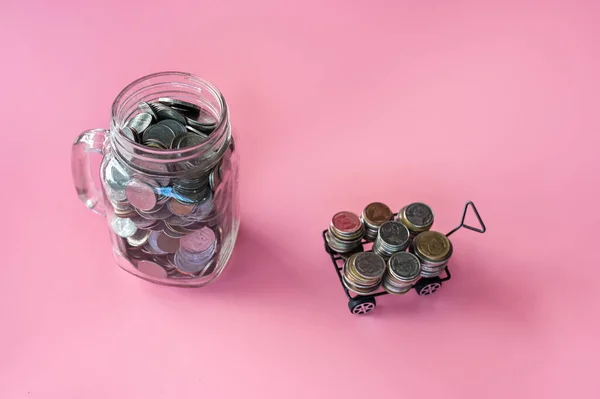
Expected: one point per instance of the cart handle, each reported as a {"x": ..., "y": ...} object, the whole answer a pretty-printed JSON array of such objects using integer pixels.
[{"x": 466, "y": 226}]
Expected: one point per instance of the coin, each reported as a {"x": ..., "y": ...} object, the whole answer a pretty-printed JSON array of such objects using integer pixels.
[
  {"x": 433, "y": 245},
  {"x": 140, "y": 122},
  {"x": 405, "y": 265},
  {"x": 204, "y": 127},
  {"x": 130, "y": 134},
  {"x": 145, "y": 107},
  {"x": 123, "y": 227},
  {"x": 394, "y": 233},
  {"x": 139, "y": 238},
  {"x": 196, "y": 131},
  {"x": 419, "y": 214},
  {"x": 166, "y": 243},
  {"x": 115, "y": 175},
  {"x": 346, "y": 222},
  {"x": 184, "y": 105},
  {"x": 198, "y": 241},
  {"x": 179, "y": 208},
  {"x": 164, "y": 112},
  {"x": 369, "y": 265},
  {"x": 176, "y": 127},
  {"x": 159, "y": 134},
  {"x": 185, "y": 140},
  {"x": 377, "y": 213},
  {"x": 184, "y": 265},
  {"x": 151, "y": 269},
  {"x": 141, "y": 195}
]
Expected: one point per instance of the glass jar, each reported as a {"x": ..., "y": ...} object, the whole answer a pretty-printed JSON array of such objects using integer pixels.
[{"x": 169, "y": 193}]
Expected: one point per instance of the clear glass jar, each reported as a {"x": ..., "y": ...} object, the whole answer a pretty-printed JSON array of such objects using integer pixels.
[{"x": 173, "y": 214}]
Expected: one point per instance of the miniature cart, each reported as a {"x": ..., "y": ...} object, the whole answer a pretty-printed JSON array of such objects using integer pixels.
[{"x": 363, "y": 304}]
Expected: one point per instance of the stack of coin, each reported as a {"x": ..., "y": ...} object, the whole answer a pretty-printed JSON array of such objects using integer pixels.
[
  {"x": 417, "y": 217},
  {"x": 373, "y": 216},
  {"x": 392, "y": 237},
  {"x": 196, "y": 251},
  {"x": 403, "y": 271},
  {"x": 362, "y": 272},
  {"x": 345, "y": 232},
  {"x": 433, "y": 250}
]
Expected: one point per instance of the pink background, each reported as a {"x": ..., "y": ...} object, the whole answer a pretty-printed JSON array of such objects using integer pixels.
[{"x": 336, "y": 104}]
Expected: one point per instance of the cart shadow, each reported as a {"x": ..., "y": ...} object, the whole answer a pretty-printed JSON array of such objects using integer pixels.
[{"x": 475, "y": 294}]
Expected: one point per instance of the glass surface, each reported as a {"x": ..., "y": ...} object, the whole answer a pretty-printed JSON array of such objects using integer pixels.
[{"x": 173, "y": 215}]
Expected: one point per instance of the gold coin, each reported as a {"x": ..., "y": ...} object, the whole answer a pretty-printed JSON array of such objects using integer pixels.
[
  {"x": 377, "y": 213},
  {"x": 433, "y": 245}
]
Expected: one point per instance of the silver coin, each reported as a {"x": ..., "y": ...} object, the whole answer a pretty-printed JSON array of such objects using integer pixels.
[
  {"x": 130, "y": 134},
  {"x": 394, "y": 233},
  {"x": 160, "y": 134},
  {"x": 151, "y": 269},
  {"x": 153, "y": 243},
  {"x": 185, "y": 140},
  {"x": 140, "y": 122},
  {"x": 405, "y": 265},
  {"x": 141, "y": 195},
  {"x": 185, "y": 266},
  {"x": 369, "y": 265},
  {"x": 139, "y": 238},
  {"x": 115, "y": 175},
  {"x": 184, "y": 105},
  {"x": 199, "y": 241},
  {"x": 205, "y": 127},
  {"x": 419, "y": 214},
  {"x": 123, "y": 227},
  {"x": 196, "y": 131},
  {"x": 176, "y": 127},
  {"x": 164, "y": 112},
  {"x": 145, "y": 107}
]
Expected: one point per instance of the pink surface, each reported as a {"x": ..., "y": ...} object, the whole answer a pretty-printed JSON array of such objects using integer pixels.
[{"x": 336, "y": 104}]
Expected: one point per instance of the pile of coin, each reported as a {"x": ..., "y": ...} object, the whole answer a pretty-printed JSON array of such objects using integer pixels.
[
  {"x": 373, "y": 216},
  {"x": 392, "y": 237},
  {"x": 170, "y": 224},
  {"x": 169, "y": 124},
  {"x": 363, "y": 272},
  {"x": 403, "y": 271},
  {"x": 433, "y": 250},
  {"x": 417, "y": 217},
  {"x": 345, "y": 232}
]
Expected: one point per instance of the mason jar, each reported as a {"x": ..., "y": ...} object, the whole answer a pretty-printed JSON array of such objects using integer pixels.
[{"x": 168, "y": 179}]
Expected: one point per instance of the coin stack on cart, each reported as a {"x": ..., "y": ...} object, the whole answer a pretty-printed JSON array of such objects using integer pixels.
[
  {"x": 417, "y": 217},
  {"x": 433, "y": 250},
  {"x": 403, "y": 271},
  {"x": 169, "y": 219},
  {"x": 345, "y": 232},
  {"x": 392, "y": 237},
  {"x": 363, "y": 272},
  {"x": 373, "y": 216}
]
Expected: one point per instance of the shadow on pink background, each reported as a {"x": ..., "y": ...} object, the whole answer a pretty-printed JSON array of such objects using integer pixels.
[{"x": 336, "y": 104}]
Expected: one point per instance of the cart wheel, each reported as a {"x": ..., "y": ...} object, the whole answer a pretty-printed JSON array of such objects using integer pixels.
[
  {"x": 430, "y": 288},
  {"x": 362, "y": 305}
]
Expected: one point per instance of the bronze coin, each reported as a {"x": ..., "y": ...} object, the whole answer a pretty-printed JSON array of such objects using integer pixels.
[
  {"x": 433, "y": 245},
  {"x": 166, "y": 243},
  {"x": 179, "y": 208},
  {"x": 377, "y": 213}
]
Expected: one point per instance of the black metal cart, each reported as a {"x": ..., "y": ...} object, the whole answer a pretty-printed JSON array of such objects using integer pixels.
[{"x": 362, "y": 304}]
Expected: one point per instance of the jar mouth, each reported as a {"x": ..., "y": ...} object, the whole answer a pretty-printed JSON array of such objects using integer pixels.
[{"x": 181, "y": 80}]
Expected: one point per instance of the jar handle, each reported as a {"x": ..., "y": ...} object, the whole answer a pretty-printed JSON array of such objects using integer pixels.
[{"x": 88, "y": 141}]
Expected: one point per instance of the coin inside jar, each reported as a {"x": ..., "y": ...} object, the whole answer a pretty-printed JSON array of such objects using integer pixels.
[
  {"x": 166, "y": 243},
  {"x": 159, "y": 134},
  {"x": 140, "y": 122},
  {"x": 179, "y": 208},
  {"x": 141, "y": 195},
  {"x": 183, "y": 105},
  {"x": 123, "y": 227},
  {"x": 198, "y": 241},
  {"x": 151, "y": 269},
  {"x": 175, "y": 126}
]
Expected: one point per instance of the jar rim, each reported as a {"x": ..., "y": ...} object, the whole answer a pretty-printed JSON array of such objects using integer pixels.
[{"x": 222, "y": 119}]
